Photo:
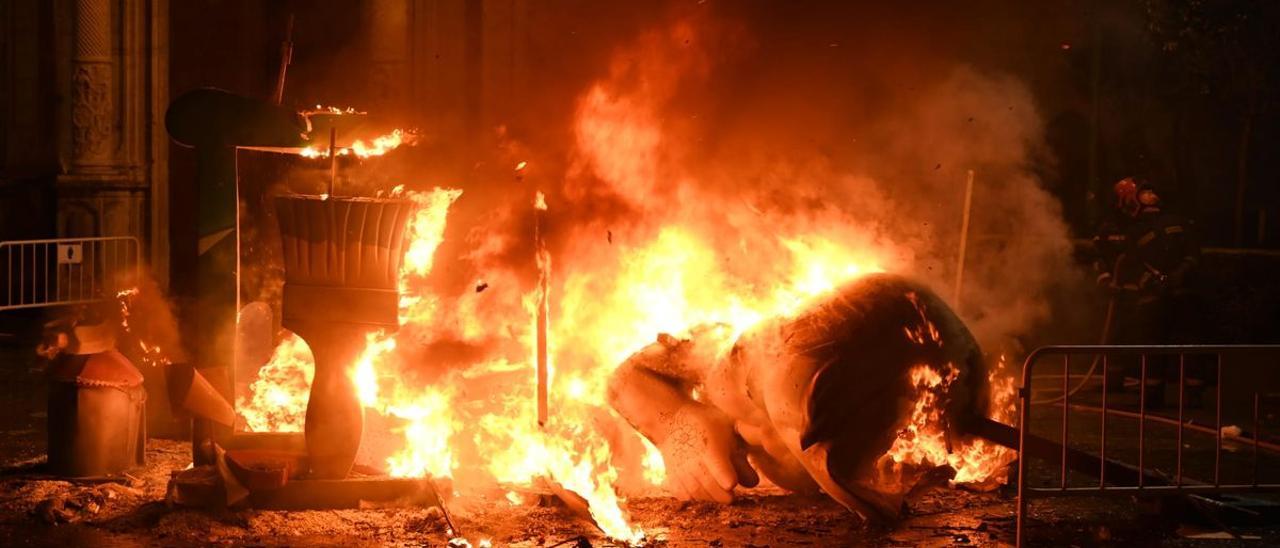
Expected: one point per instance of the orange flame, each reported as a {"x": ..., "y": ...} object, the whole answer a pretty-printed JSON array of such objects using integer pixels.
[
  {"x": 450, "y": 426},
  {"x": 377, "y": 146},
  {"x": 321, "y": 109},
  {"x": 152, "y": 355},
  {"x": 278, "y": 397},
  {"x": 922, "y": 442}
]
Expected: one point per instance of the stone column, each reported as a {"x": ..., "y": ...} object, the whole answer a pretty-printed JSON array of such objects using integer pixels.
[
  {"x": 389, "y": 56},
  {"x": 113, "y": 177},
  {"x": 93, "y": 101}
]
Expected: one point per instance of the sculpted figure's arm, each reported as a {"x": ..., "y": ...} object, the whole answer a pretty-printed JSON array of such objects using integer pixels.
[{"x": 704, "y": 458}]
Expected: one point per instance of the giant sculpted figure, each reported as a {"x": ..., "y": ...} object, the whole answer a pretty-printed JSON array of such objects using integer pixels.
[{"x": 811, "y": 401}]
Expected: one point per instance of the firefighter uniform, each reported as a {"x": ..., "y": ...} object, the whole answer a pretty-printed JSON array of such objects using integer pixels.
[{"x": 1148, "y": 261}]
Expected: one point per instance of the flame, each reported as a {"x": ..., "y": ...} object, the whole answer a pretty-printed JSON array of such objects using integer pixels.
[
  {"x": 666, "y": 285},
  {"x": 360, "y": 148},
  {"x": 923, "y": 439},
  {"x": 278, "y": 397},
  {"x": 321, "y": 109},
  {"x": 382, "y": 144},
  {"x": 923, "y": 442},
  {"x": 683, "y": 260},
  {"x": 425, "y": 232},
  {"x": 427, "y": 432},
  {"x": 152, "y": 355},
  {"x": 455, "y": 427},
  {"x": 655, "y": 469},
  {"x": 364, "y": 373}
]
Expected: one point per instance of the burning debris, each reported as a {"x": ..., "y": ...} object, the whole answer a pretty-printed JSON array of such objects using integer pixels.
[
  {"x": 811, "y": 400},
  {"x": 579, "y": 444}
]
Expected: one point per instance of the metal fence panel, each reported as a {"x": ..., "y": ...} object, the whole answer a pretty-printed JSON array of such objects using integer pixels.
[
  {"x": 1106, "y": 355},
  {"x": 66, "y": 271}
]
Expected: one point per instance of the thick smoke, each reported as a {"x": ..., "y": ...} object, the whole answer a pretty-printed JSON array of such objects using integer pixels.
[
  {"x": 714, "y": 122},
  {"x": 146, "y": 316},
  {"x": 758, "y": 129}
]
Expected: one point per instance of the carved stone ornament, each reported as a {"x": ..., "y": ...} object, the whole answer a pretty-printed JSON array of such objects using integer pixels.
[{"x": 91, "y": 112}]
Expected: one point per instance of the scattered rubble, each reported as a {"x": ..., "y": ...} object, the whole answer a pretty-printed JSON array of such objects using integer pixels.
[{"x": 134, "y": 510}]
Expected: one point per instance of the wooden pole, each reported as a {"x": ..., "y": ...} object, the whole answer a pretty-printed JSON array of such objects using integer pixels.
[
  {"x": 286, "y": 57},
  {"x": 333, "y": 158},
  {"x": 964, "y": 239},
  {"x": 544, "y": 274}
]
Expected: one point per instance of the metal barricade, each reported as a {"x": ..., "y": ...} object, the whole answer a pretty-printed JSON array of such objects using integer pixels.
[
  {"x": 66, "y": 270},
  {"x": 1139, "y": 356}
]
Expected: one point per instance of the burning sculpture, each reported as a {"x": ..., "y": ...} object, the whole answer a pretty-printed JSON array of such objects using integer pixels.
[
  {"x": 811, "y": 401},
  {"x": 342, "y": 262},
  {"x": 478, "y": 425}
]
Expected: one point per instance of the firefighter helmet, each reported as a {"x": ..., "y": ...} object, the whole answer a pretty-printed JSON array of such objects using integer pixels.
[
  {"x": 1126, "y": 191},
  {"x": 1147, "y": 194}
]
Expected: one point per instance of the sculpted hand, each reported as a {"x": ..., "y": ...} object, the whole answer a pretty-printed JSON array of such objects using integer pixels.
[{"x": 704, "y": 457}]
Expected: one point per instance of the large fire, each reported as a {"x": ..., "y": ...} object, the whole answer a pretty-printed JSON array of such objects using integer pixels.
[
  {"x": 613, "y": 290},
  {"x": 666, "y": 285}
]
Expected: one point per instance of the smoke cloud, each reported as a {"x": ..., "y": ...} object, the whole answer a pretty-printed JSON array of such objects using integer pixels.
[
  {"x": 747, "y": 139},
  {"x": 740, "y": 135}
]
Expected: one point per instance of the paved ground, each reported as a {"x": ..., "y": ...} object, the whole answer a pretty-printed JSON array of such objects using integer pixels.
[{"x": 36, "y": 510}]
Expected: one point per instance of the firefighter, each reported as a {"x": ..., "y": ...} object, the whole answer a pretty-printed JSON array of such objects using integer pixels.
[
  {"x": 1112, "y": 236},
  {"x": 1146, "y": 257}
]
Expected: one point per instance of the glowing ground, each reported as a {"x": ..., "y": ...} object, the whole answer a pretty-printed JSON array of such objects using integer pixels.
[
  {"x": 136, "y": 515},
  {"x": 41, "y": 511}
]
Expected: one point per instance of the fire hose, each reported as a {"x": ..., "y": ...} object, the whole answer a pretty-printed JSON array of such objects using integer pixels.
[
  {"x": 1246, "y": 438},
  {"x": 1105, "y": 335},
  {"x": 1103, "y": 338}
]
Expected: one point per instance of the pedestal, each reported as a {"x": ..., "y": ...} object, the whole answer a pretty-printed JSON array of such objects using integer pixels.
[{"x": 342, "y": 265}]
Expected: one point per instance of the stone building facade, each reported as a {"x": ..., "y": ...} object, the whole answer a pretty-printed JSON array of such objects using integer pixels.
[{"x": 83, "y": 87}]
